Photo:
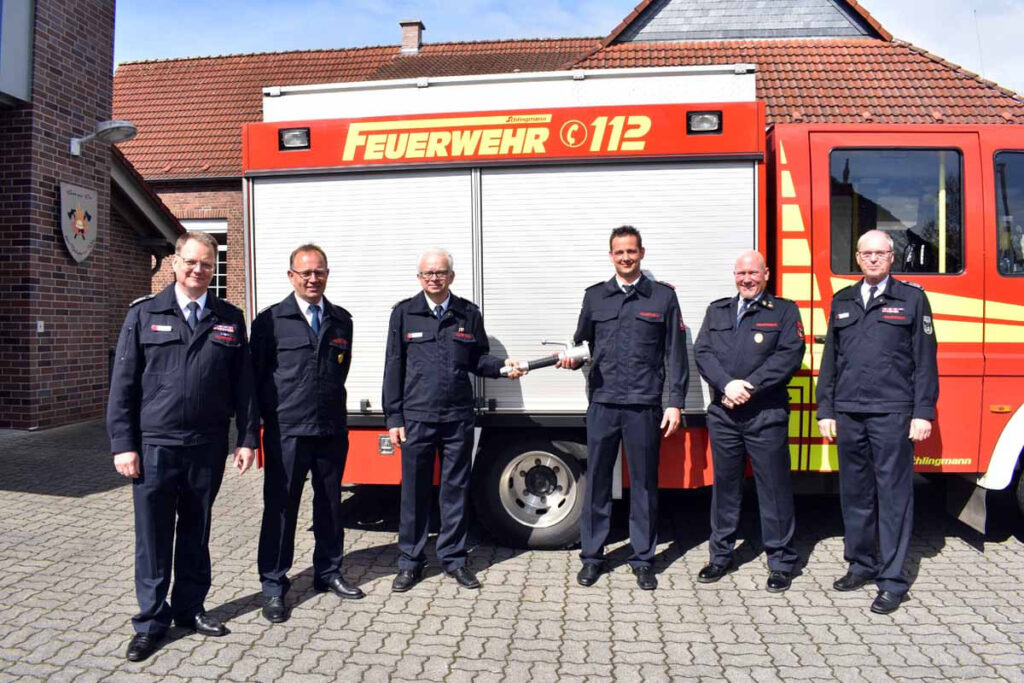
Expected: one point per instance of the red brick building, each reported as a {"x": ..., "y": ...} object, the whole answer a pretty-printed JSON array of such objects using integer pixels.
[
  {"x": 59, "y": 318},
  {"x": 816, "y": 60}
]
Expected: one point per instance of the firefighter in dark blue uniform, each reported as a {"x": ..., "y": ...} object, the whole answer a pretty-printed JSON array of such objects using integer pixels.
[
  {"x": 301, "y": 352},
  {"x": 435, "y": 340},
  {"x": 749, "y": 347},
  {"x": 632, "y": 324},
  {"x": 182, "y": 370},
  {"x": 877, "y": 390}
]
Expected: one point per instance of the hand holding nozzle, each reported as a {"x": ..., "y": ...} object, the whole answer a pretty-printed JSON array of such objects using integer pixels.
[{"x": 570, "y": 357}]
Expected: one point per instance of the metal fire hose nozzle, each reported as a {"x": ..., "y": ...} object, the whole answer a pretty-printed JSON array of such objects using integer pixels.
[{"x": 569, "y": 350}]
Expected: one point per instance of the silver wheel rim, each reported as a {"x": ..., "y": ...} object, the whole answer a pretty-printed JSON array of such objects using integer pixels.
[{"x": 537, "y": 489}]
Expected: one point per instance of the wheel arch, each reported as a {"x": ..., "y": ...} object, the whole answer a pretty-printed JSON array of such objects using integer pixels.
[{"x": 1006, "y": 454}]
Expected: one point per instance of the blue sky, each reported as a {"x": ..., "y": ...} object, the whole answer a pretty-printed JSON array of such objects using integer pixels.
[{"x": 982, "y": 35}]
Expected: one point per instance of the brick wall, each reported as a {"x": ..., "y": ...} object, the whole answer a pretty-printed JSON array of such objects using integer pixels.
[
  {"x": 60, "y": 375},
  {"x": 209, "y": 199}
]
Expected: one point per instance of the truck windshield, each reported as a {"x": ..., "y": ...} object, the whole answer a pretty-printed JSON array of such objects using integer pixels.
[{"x": 914, "y": 195}]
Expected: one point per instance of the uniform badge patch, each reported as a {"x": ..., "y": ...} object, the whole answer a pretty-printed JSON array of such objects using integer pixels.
[
  {"x": 840, "y": 316},
  {"x": 225, "y": 328},
  {"x": 799, "y": 329},
  {"x": 341, "y": 358},
  {"x": 161, "y": 328},
  {"x": 758, "y": 337},
  {"x": 927, "y": 324},
  {"x": 413, "y": 335}
]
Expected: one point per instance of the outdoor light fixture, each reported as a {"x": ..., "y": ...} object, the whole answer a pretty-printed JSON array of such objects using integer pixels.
[
  {"x": 292, "y": 138},
  {"x": 106, "y": 131},
  {"x": 703, "y": 122}
]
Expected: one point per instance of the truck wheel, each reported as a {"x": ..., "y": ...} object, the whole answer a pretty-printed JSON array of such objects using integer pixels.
[
  {"x": 1020, "y": 495},
  {"x": 530, "y": 495}
]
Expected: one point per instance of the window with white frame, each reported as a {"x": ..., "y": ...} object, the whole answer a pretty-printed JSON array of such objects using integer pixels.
[{"x": 218, "y": 229}]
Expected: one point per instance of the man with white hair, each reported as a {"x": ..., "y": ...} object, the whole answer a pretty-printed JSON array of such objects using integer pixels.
[
  {"x": 435, "y": 339},
  {"x": 877, "y": 390}
]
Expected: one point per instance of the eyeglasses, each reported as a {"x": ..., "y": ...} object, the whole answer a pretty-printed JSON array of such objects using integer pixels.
[
  {"x": 434, "y": 274},
  {"x": 192, "y": 263},
  {"x": 871, "y": 255},
  {"x": 307, "y": 275}
]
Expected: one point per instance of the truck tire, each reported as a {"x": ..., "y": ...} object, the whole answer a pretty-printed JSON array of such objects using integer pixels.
[
  {"x": 1020, "y": 495},
  {"x": 529, "y": 494}
]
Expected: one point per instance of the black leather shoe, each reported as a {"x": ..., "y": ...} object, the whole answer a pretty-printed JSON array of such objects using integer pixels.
[
  {"x": 340, "y": 587},
  {"x": 274, "y": 609},
  {"x": 464, "y": 577},
  {"x": 141, "y": 646},
  {"x": 204, "y": 624},
  {"x": 406, "y": 579},
  {"x": 713, "y": 572},
  {"x": 778, "y": 581},
  {"x": 589, "y": 574},
  {"x": 886, "y": 602},
  {"x": 645, "y": 578},
  {"x": 850, "y": 582}
]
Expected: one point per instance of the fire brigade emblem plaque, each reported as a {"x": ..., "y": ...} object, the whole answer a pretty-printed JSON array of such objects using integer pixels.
[
  {"x": 927, "y": 324},
  {"x": 78, "y": 220}
]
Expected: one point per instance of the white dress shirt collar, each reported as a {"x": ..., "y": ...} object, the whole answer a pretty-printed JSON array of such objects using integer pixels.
[
  {"x": 183, "y": 300},
  {"x": 444, "y": 304}
]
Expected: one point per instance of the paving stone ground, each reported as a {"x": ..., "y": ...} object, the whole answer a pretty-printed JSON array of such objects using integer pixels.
[{"x": 66, "y": 563}]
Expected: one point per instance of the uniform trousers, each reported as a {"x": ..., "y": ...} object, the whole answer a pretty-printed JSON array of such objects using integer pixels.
[
  {"x": 177, "y": 484},
  {"x": 876, "y": 492},
  {"x": 424, "y": 441},
  {"x": 763, "y": 435},
  {"x": 637, "y": 427},
  {"x": 287, "y": 461}
]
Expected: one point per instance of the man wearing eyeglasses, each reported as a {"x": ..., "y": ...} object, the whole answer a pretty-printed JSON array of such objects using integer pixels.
[
  {"x": 749, "y": 347},
  {"x": 182, "y": 370},
  {"x": 877, "y": 390},
  {"x": 302, "y": 351},
  {"x": 435, "y": 340}
]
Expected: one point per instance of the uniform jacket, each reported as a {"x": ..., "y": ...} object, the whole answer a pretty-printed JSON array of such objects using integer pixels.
[
  {"x": 882, "y": 359},
  {"x": 426, "y": 372},
  {"x": 629, "y": 338},
  {"x": 300, "y": 377},
  {"x": 173, "y": 386},
  {"x": 765, "y": 348}
]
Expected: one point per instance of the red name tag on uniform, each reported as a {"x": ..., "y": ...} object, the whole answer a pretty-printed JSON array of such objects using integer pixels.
[
  {"x": 647, "y": 314},
  {"x": 464, "y": 335},
  {"x": 340, "y": 342},
  {"x": 766, "y": 324},
  {"x": 895, "y": 317}
]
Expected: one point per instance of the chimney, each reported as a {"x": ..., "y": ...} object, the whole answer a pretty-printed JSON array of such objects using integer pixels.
[{"x": 412, "y": 36}]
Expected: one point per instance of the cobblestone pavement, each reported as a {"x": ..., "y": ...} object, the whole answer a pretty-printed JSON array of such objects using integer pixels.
[{"x": 66, "y": 564}]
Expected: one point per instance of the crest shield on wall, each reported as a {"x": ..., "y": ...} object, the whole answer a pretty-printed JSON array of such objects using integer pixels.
[{"x": 78, "y": 220}]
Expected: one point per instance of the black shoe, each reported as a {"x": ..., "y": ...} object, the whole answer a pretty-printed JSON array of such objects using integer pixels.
[
  {"x": 141, "y": 646},
  {"x": 203, "y": 624},
  {"x": 464, "y": 577},
  {"x": 713, "y": 572},
  {"x": 274, "y": 609},
  {"x": 645, "y": 578},
  {"x": 406, "y": 579},
  {"x": 340, "y": 587},
  {"x": 778, "y": 581},
  {"x": 589, "y": 574},
  {"x": 850, "y": 582},
  {"x": 886, "y": 602}
]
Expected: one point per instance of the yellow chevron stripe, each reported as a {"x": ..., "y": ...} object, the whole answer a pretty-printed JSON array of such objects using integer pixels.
[
  {"x": 782, "y": 153},
  {"x": 800, "y": 287},
  {"x": 1000, "y": 334},
  {"x": 786, "y": 181},
  {"x": 951, "y": 304},
  {"x": 958, "y": 331},
  {"x": 792, "y": 219},
  {"x": 997, "y": 309},
  {"x": 796, "y": 252}
]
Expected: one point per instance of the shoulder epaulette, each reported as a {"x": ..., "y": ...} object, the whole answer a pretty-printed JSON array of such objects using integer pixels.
[
  {"x": 667, "y": 284},
  {"x": 399, "y": 303},
  {"x": 849, "y": 286},
  {"x": 597, "y": 284},
  {"x": 724, "y": 299},
  {"x": 141, "y": 299},
  {"x": 913, "y": 284}
]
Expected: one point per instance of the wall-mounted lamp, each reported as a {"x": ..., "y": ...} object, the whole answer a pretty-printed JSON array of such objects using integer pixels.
[{"x": 106, "y": 131}]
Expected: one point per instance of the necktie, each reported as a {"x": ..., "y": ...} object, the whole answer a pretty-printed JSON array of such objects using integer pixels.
[
  {"x": 314, "y": 319},
  {"x": 741, "y": 309},
  {"x": 872, "y": 291},
  {"x": 193, "y": 314},
  {"x": 438, "y": 311},
  {"x": 628, "y": 289}
]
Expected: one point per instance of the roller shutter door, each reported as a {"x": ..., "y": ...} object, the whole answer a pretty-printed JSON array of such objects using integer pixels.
[
  {"x": 373, "y": 227},
  {"x": 545, "y": 239}
]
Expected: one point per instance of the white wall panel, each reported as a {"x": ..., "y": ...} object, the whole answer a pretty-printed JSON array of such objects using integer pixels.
[
  {"x": 545, "y": 239},
  {"x": 373, "y": 227}
]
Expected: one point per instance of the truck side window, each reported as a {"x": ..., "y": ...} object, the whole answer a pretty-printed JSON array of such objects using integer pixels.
[
  {"x": 914, "y": 195},
  {"x": 1010, "y": 212}
]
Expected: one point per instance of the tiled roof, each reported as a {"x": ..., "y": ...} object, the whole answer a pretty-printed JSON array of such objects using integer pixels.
[
  {"x": 838, "y": 80},
  {"x": 189, "y": 112}
]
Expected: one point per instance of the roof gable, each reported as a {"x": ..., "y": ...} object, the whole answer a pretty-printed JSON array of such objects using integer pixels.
[{"x": 695, "y": 20}]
